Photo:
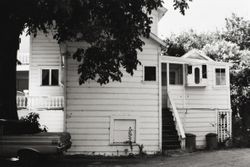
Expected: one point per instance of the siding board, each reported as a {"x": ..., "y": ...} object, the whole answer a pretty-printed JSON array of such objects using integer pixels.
[{"x": 90, "y": 106}]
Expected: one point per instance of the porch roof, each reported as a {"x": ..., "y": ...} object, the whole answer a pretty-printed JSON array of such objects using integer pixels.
[{"x": 191, "y": 61}]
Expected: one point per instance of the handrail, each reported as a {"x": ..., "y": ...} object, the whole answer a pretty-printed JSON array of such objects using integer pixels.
[
  {"x": 176, "y": 115},
  {"x": 43, "y": 102}
]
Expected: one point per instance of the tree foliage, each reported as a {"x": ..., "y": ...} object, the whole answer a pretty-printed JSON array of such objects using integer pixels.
[
  {"x": 237, "y": 31},
  {"x": 113, "y": 30},
  {"x": 186, "y": 41},
  {"x": 230, "y": 45},
  {"x": 223, "y": 51}
]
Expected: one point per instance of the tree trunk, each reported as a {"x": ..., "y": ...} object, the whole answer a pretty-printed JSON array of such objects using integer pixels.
[{"x": 8, "y": 56}]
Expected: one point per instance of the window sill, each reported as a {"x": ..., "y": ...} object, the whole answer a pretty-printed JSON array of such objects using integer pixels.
[
  {"x": 149, "y": 82},
  {"x": 221, "y": 86},
  {"x": 50, "y": 85}
]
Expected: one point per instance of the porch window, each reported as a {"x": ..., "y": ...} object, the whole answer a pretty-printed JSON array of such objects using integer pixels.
[
  {"x": 176, "y": 74},
  {"x": 149, "y": 73},
  {"x": 164, "y": 74},
  {"x": 50, "y": 77},
  {"x": 220, "y": 76}
]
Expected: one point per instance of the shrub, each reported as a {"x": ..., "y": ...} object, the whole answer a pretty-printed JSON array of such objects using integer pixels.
[{"x": 32, "y": 123}]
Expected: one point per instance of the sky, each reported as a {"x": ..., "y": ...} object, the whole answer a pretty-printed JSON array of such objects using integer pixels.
[{"x": 202, "y": 16}]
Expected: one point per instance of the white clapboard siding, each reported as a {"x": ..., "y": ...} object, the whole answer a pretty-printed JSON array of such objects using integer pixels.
[
  {"x": 45, "y": 53},
  {"x": 199, "y": 122},
  {"x": 90, "y": 107},
  {"x": 200, "y": 97},
  {"x": 52, "y": 119}
]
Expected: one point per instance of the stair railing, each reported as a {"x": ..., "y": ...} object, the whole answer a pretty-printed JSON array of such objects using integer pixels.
[{"x": 179, "y": 125}]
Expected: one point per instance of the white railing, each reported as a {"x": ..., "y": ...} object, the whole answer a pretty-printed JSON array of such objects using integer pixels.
[
  {"x": 40, "y": 102},
  {"x": 23, "y": 58},
  {"x": 179, "y": 125},
  {"x": 224, "y": 128}
]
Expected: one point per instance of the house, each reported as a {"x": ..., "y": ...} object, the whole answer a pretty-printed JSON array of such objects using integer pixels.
[{"x": 164, "y": 99}]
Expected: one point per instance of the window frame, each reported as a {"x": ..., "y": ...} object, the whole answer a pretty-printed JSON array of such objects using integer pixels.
[
  {"x": 226, "y": 77},
  {"x": 183, "y": 74},
  {"x": 143, "y": 73},
  {"x": 50, "y": 76},
  {"x": 123, "y": 117}
]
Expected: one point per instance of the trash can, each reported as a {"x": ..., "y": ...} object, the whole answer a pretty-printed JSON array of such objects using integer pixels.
[
  {"x": 190, "y": 142},
  {"x": 212, "y": 141}
]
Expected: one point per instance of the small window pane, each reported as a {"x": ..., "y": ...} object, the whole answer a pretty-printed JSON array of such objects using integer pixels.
[
  {"x": 189, "y": 69},
  {"x": 204, "y": 71},
  {"x": 45, "y": 77},
  {"x": 150, "y": 73},
  {"x": 220, "y": 76},
  {"x": 196, "y": 75},
  {"x": 54, "y": 77}
]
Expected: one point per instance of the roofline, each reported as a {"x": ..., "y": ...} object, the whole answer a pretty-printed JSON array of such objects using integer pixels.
[
  {"x": 202, "y": 54},
  {"x": 157, "y": 39},
  {"x": 182, "y": 60}
]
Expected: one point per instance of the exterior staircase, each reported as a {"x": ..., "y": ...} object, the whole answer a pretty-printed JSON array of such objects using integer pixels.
[{"x": 170, "y": 138}]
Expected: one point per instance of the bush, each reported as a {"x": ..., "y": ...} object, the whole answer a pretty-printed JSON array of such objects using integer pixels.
[{"x": 33, "y": 125}]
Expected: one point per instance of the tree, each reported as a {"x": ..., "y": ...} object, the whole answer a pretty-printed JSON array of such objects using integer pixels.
[
  {"x": 112, "y": 28},
  {"x": 237, "y": 31},
  {"x": 186, "y": 41},
  {"x": 223, "y": 51}
]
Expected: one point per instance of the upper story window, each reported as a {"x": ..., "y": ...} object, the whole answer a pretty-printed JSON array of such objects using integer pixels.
[
  {"x": 50, "y": 77},
  {"x": 197, "y": 75},
  {"x": 176, "y": 74},
  {"x": 220, "y": 76},
  {"x": 149, "y": 73}
]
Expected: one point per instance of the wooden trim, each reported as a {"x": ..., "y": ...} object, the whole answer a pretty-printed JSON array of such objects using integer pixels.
[
  {"x": 160, "y": 100},
  {"x": 124, "y": 117}
]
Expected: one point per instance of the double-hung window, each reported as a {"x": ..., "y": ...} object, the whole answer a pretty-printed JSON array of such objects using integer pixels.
[
  {"x": 50, "y": 77},
  {"x": 220, "y": 76}
]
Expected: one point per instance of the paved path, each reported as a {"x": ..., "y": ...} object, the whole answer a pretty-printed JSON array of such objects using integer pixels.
[{"x": 221, "y": 158}]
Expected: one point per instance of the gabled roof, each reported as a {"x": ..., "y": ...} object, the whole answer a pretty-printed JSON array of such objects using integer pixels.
[
  {"x": 157, "y": 39},
  {"x": 197, "y": 54}
]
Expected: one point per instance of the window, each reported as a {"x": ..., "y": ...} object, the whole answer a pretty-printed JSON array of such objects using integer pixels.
[
  {"x": 50, "y": 77},
  {"x": 176, "y": 74},
  {"x": 196, "y": 75},
  {"x": 189, "y": 69},
  {"x": 204, "y": 71},
  {"x": 220, "y": 76},
  {"x": 149, "y": 73}
]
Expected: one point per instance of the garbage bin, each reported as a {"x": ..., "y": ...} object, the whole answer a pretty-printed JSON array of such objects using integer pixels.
[
  {"x": 190, "y": 142},
  {"x": 212, "y": 141}
]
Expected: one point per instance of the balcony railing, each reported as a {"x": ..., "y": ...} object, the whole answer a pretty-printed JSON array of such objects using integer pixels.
[
  {"x": 40, "y": 102},
  {"x": 23, "y": 58}
]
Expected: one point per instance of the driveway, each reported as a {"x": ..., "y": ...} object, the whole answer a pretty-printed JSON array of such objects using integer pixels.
[{"x": 221, "y": 158}]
